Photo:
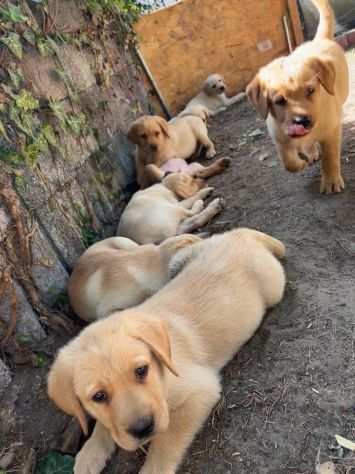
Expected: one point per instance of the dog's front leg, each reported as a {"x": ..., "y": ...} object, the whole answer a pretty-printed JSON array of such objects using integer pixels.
[
  {"x": 235, "y": 99},
  {"x": 97, "y": 450},
  {"x": 331, "y": 180},
  {"x": 167, "y": 450},
  {"x": 290, "y": 158}
]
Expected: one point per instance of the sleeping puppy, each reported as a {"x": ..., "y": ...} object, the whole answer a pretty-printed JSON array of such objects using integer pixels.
[
  {"x": 213, "y": 97},
  {"x": 301, "y": 98},
  {"x": 117, "y": 273},
  {"x": 156, "y": 213},
  {"x": 159, "y": 141},
  {"x": 152, "y": 373}
]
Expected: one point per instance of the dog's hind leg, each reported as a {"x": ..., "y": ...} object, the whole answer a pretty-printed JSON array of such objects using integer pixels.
[
  {"x": 216, "y": 168},
  {"x": 205, "y": 141},
  {"x": 195, "y": 222},
  {"x": 201, "y": 194}
]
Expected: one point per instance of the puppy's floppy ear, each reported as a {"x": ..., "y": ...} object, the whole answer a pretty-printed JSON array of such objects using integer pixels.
[
  {"x": 61, "y": 389},
  {"x": 257, "y": 95},
  {"x": 326, "y": 73},
  {"x": 163, "y": 125},
  {"x": 155, "y": 335},
  {"x": 133, "y": 132},
  {"x": 185, "y": 190}
]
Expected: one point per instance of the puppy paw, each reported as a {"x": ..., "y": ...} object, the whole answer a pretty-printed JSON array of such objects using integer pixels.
[
  {"x": 205, "y": 192},
  {"x": 91, "y": 459},
  {"x": 197, "y": 206},
  {"x": 210, "y": 153},
  {"x": 225, "y": 162},
  {"x": 219, "y": 204},
  {"x": 331, "y": 184},
  {"x": 296, "y": 165}
]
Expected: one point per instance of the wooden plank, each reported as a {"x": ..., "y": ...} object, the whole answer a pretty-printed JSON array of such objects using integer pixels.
[
  {"x": 186, "y": 42},
  {"x": 295, "y": 22}
]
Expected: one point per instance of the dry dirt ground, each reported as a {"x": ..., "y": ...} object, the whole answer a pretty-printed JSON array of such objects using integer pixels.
[{"x": 292, "y": 388}]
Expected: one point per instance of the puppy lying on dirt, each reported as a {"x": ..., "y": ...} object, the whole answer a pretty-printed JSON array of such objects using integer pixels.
[
  {"x": 151, "y": 373},
  {"x": 156, "y": 213},
  {"x": 117, "y": 273},
  {"x": 213, "y": 97},
  {"x": 301, "y": 96},
  {"x": 154, "y": 174},
  {"x": 159, "y": 141}
]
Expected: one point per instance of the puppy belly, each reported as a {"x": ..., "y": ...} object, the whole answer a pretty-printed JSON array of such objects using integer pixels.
[
  {"x": 175, "y": 165},
  {"x": 178, "y": 165}
]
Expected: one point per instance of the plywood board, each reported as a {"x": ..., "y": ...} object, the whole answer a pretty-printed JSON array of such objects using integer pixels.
[{"x": 186, "y": 42}]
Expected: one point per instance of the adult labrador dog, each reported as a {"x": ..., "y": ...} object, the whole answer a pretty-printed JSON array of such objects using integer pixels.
[
  {"x": 213, "y": 96},
  {"x": 117, "y": 273},
  {"x": 174, "y": 206},
  {"x": 301, "y": 97},
  {"x": 159, "y": 141},
  {"x": 152, "y": 373}
]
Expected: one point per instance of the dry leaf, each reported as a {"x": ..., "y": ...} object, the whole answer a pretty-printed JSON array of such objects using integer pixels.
[
  {"x": 345, "y": 443},
  {"x": 326, "y": 468}
]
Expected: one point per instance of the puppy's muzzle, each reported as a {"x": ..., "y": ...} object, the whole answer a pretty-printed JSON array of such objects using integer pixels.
[
  {"x": 303, "y": 120},
  {"x": 142, "y": 428},
  {"x": 153, "y": 147},
  {"x": 301, "y": 125}
]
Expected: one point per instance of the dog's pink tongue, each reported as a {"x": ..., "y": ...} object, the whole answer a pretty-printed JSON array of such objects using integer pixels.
[{"x": 297, "y": 130}]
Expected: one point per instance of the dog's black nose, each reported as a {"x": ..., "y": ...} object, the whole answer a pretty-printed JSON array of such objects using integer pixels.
[
  {"x": 153, "y": 147},
  {"x": 142, "y": 428},
  {"x": 302, "y": 120}
]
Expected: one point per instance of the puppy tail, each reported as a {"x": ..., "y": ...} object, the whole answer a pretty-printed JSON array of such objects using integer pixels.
[
  {"x": 326, "y": 24},
  {"x": 276, "y": 247}
]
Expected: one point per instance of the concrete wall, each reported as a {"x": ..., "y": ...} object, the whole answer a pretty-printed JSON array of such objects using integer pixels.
[{"x": 74, "y": 192}]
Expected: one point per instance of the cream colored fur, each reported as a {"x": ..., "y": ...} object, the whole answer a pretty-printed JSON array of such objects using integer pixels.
[
  {"x": 182, "y": 336},
  {"x": 117, "y": 273}
]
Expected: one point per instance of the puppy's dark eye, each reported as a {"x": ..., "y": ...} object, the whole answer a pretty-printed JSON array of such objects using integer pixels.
[
  {"x": 157, "y": 134},
  {"x": 141, "y": 372},
  {"x": 99, "y": 397},
  {"x": 309, "y": 91},
  {"x": 144, "y": 136},
  {"x": 280, "y": 100},
  {"x": 214, "y": 86}
]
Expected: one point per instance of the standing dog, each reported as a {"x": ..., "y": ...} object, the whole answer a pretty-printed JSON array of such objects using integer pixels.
[
  {"x": 301, "y": 97},
  {"x": 117, "y": 273},
  {"x": 152, "y": 373},
  {"x": 213, "y": 96},
  {"x": 156, "y": 213}
]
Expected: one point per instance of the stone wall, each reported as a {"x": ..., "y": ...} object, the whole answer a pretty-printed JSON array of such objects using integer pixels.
[{"x": 55, "y": 199}]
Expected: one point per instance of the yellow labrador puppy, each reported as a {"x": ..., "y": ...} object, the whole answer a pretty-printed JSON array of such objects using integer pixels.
[
  {"x": 213, "y": 97},
  {"x": 156, "y": 213},
  {"x": 152, "y": 373},
  {"x": 159, "y": 141},
  {"x": 301, "y": 97},
  {"x": 117, "y": 273}
]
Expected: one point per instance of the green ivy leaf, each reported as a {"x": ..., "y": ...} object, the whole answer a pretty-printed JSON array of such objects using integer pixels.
[
  {"x": 13, "y": 42},
  {"x": 30, "y": 37},
  {"x": 25, "y": 101},
  {"x": 16, "y": 77},
  {"x": 44, "y": 47},
  {"x": 49, "y": 135},
  {"x": 55, "y": 463},
  {"x": 3, "y": 132},
  {"x": 12, "y": 14}
]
